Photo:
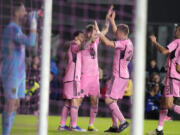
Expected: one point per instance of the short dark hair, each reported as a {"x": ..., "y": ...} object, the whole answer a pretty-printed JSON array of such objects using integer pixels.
[
  {"x": 177, "y": 27},
  {"x": 76, "y": 33},
  {"x": 154, "y": 74},
  {"x": 89, "y": 28},
  {"x": 17, "y": 4},
  {"x": 124, "y": 28}
]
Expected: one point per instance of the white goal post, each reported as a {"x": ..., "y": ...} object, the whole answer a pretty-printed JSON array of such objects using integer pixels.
[
  {"x": 139, "y": 67},
  {"x": 45, "y": 68}
]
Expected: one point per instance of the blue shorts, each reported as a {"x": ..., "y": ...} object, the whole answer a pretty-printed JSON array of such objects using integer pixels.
[{"x": 14, "y": 88}]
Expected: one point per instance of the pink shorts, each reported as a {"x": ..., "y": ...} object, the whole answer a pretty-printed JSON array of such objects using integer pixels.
[
  {"x": 172, "y": 88},
  {"x": 90, "y": 85},
  {"x": 116, "y": 87},
  {"x": 72, "y": 89}
]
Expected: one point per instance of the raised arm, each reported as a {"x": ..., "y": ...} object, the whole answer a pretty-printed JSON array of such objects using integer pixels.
[
  {"x": 159, "y": 47},
  {"x": 105, "y": 40},
  {"x": 22, "y": 39},
  {"x": 92, "y": 39},
  {"x": 30, "y": 40},
  {"x": 105, "y": 28},
  {"x": 106, "y": 25},
  {"x": 113, "y": 23},
  {"x": 87, "y": 43}
]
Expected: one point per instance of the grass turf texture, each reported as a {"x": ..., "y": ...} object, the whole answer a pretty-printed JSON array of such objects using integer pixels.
[{"x": 27, "y": 125}]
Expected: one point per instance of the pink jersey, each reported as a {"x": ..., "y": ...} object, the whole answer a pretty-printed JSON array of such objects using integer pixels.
[
  {"x": 90, "y": 60},
  {"x": 122, "y": 56},
  {"x": 73, "y": 67},
  {"x": 178, "y": 61},
  {"x": 178, "y": 58},
  {"x": 174, "y": 48}
]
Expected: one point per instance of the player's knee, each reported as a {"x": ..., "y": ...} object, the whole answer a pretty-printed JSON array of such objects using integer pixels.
[
  {"x": 80, "y": 101},
  {"x": 170, "y": 105},
  {"x": 17, "y": 103},
  {"x": 75, "y": 102},
  {"x": 94, "y": 101},
  {"x": 163, "y": 105},
  {"x": 108, "y": 101},
  {"x": 11, "y": 105},
  {"x": 167, "y": 103},
  {"x": 67, "y": 104}
]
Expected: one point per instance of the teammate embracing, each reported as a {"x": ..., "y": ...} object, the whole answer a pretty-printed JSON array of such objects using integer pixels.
[
  {"x": 90, "y": 69},
  {"x": 72, "y": 85}
]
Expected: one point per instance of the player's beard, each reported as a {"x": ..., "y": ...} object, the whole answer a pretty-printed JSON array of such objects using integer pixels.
[{"x": 23, "y": 20}]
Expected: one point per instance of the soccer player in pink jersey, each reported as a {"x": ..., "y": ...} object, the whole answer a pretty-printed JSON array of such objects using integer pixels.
[
  {"x": 90, "y": 69},
  {"x": 72, "y": 88},
  {"x": 172, "y": 83},
  {"x": 117, "y": 84}
]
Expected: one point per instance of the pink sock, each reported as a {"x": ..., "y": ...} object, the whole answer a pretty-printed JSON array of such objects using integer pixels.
[
  {"x": 93, "y": 113},
  {"x": 116, "y": 112},
  {"x": 74, "y": 115},
  {"x": 162, "y": 115},
  {"x": 64, "y": 113},
  {"x": 115, "y": 120},
  {"x": 176, "y": 109}
]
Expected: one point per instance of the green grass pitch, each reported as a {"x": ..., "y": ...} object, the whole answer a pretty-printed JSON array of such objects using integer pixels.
[{"x": 27, "y": 125}]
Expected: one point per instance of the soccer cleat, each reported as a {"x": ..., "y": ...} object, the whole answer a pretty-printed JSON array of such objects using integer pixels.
[
  {"x": 156, "y": 132},
  {"x": 78, "y": 129},
  {"x": 92, "y": 128},
  {"x": 63, "y": 128},
  {"x": 123, "y": 126},
  {"x": 112, "y": 129}
]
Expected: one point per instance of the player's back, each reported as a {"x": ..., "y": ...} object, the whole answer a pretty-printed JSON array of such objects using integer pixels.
[{"x": 122, "y": 56}]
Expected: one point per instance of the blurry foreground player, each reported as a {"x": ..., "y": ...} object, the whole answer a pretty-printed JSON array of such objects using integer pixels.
[
  {"x": 116, "y": 86},
  {"x": 72, "y": 85},
  {"x": 13, "y": 73},
  {"x": 172, "y": 83},
  {"x": 90, "y": 69}
]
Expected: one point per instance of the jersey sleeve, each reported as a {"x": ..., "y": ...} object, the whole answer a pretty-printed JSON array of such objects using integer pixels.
[
  {"x": 178, "y": 58},
  {"x": 172, "y": 46},
  {"x": 21, "y": 39},
  {"x": 119, "y": 44}
]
